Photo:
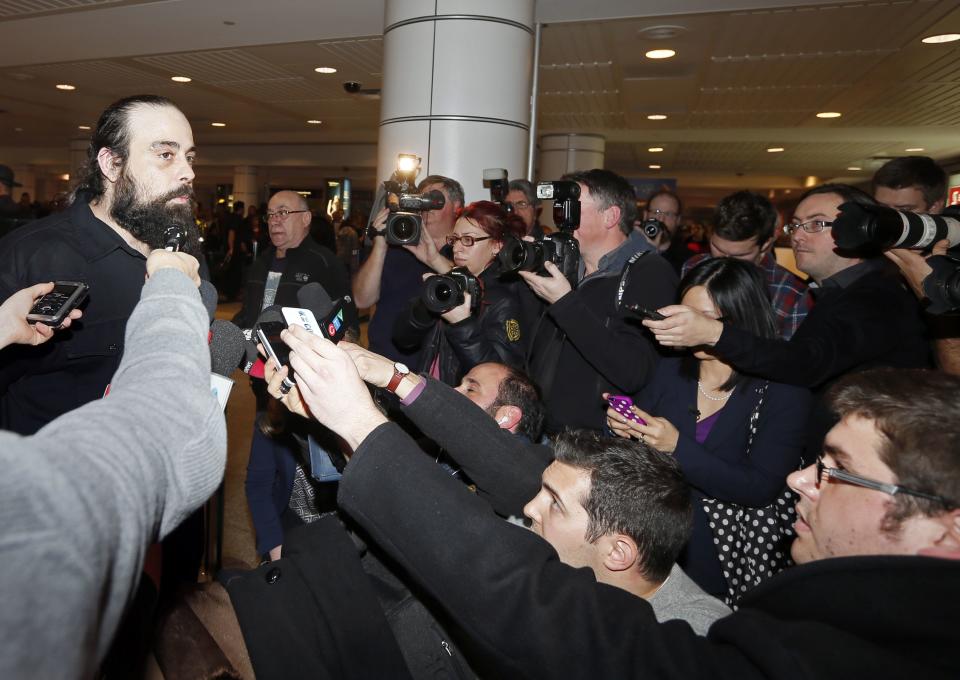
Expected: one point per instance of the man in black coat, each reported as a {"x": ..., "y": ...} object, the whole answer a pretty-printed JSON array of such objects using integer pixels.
[
  {"x": 878, "y": 515},
  {"x": 862, "y": 316},
  {"x": 583, "y": 345}
]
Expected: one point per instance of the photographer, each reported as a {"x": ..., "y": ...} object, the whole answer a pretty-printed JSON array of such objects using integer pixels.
[
  {"x": 390, "y": 276},
  {"x": 582, "y": 346},
  {"x": 475, "y": 331}
]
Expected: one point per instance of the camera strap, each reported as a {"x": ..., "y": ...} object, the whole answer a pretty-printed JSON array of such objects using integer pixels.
[{"x": 625, "y": 276}]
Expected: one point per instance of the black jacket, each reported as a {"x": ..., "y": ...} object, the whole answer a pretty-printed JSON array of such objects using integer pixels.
[
  {"x": 532, "y": 616},
  {"x": 491, "y": 334},
  {"x": 307, "y": 263},
  {"x": 870, "y": 322},
  {"x": 583, "y": 346}
]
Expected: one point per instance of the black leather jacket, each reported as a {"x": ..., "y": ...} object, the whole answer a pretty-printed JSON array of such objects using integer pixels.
[{"x": 493, "y": 334}]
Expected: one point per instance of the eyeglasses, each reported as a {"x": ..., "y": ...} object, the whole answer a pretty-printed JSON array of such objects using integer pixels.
[
  {"x": 811, "y": 227},
  {"x": 523, "y": 205},
  {"x": 467, "y": 240},
  {"x": 892, "y": 489},
  {"x": 663, "y": 213},
  {"x": 282, "y": 213}
]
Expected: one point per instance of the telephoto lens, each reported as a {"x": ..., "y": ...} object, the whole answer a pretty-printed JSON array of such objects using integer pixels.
[
  {"x": 443, "y": 292},
  {"x": 517, "y": 255},
  {"x": 861, "y": 227}
]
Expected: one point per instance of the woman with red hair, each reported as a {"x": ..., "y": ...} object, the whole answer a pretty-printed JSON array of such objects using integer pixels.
[{"x": 455, "y": 341}]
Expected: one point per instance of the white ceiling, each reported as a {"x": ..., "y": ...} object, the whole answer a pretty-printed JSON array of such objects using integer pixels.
[{"x": 746, "y": 78}]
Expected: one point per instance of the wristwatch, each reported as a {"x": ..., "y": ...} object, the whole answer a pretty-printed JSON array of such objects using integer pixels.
[{"x": 400, "y": 371}]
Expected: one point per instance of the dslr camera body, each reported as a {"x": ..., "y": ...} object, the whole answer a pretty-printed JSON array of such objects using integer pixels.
[
  {"x": 652, "y": 228},
  {"x": 405, "y": 222},
  {"x": 560, "y": 248},
  {"x": 498, "y": 182},
  {"x": 443, "y": 292}
]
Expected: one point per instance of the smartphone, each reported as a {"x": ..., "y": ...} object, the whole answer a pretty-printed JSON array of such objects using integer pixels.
[
  {"x": 622, "y": 405},
  {"x": 645, "y": 313},
  {"x": 53, "y": 308},
  {"x": 268, "y": 333}
]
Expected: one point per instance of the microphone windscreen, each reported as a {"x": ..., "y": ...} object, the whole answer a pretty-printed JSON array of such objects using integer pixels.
[
  {"x": 271, "y": 313},
  {"x": 227, "y": 347},
  {"x": 208, "y": 295},
  {"x": 313, "y": 297}
]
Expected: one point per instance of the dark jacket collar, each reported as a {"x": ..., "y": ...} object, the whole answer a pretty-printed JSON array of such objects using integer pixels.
[{"x": 613, "y": 262}]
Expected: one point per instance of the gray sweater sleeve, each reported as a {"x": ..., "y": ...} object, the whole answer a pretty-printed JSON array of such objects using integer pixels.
[{"x": 81, "y": 499}]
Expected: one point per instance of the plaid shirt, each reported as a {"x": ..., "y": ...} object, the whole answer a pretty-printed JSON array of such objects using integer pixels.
[{"x": 788, "y": 292}]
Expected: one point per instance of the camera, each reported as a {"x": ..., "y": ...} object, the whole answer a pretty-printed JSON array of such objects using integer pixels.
[
  {"x": 566, "y": 202},
  {"x": 496, "y": 180},
  {"x": 873, "y": 228},
  {"x": 942, "y": 285},
  {"x": 405, "y": 223},
  {"x": 352, "y": 87},
  {"x": 652, "y": 227},
  {"x": 561, "y": 247},
  {"x": 443, "y": 292}
]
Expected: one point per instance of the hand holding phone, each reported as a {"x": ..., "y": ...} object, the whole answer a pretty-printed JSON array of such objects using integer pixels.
[
  {"x": 624, "y": 406},
  {"x": 268, "y": 333},
  {"x": 645, "y": 313},
  {"x": 53, "y": 308}
]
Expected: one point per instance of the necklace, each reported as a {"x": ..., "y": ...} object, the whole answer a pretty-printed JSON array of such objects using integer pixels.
[{"x": 704, "y": 393}]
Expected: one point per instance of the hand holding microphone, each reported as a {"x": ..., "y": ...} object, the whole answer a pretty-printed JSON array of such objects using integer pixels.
[{"x": 165, "y": 259}]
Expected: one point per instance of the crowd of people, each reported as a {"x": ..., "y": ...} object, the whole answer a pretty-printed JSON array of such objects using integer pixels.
[{"x": 678, "y": 459}]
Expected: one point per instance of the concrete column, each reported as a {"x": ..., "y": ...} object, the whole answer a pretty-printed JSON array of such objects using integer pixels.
[
  {"x": 78, "y": 159},
  {"x": 245, "y": 187},
  {"x": 563, "y": 153},
  {"x": 456, "y": 88}
]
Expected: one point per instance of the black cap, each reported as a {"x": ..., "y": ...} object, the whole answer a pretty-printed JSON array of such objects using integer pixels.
[{"x": 6, "y": 176}]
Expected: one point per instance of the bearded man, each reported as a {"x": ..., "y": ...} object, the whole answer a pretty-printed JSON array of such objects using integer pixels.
[{"x": 137, "y": 184}]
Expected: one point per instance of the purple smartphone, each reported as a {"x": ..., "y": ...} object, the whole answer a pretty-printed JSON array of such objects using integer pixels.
[{"x": 622, "y": 405}]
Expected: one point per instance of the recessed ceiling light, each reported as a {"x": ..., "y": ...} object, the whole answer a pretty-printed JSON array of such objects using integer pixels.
[
  {"x": 325, "y": 69},
  {"x": 654, "y": 167},
  {"x": 218, "y": 124},
  {"x": 65, "y": 177},
  {"x": 656, "y": 116},
  {"x": 83, "y": 127},
  {"x": 180, "y": 79},
  {"x": 942, "y": 38},
  {"x": 829, "y": 114},
  {"x": 660, "y": 54},
  {"x": 65, "y": 86},
  {"x": 855, "y": 168},
  {"x": 18, "y": 129},
  {"x": 775, "y": 149},
  {"x": 314, "y": 121},
  {"x": 914, "y": 148},
  {"x": 655, "y": 149}
]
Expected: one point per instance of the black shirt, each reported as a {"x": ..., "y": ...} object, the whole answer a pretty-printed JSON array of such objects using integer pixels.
[{"x": 38, "y": 384}]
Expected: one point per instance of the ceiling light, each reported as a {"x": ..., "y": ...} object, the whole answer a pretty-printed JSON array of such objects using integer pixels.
[
  {"x": 83, "y": 127},
  {"x": 829, "y": 114},
  {"x": 654, "y": 167},
  {"x": 18, "y": 129},
  {"x": 655, "y": 149},
  {"x": 65, "y": 177},
  {"x": 942, "y": 38},
  {"x": 775, "y": 149},
  {"x": 660, "y": 54},
  {"x": 180, "y": 79},
  {"x": 855, "y": 168},
  {"x": 218, "y": 124},
  {"x": 325, "y": 69},
  {"x": 65, "y": 86},
  {"x": 314, "y": 121},
  {"x": 914, "y": 148},
  {"x": 656, "y": 116}
]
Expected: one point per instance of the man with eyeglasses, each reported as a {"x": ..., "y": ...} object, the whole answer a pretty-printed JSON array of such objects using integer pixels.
[
  {"x": 274, "y": 472},
  {"x": 862, "y": 314},
  {"x": 522, "y": 199},
  {"x": 666, "y": 207}
]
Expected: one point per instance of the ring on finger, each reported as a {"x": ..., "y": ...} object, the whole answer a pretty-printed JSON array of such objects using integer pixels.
[{"x": 284, "y": 390}]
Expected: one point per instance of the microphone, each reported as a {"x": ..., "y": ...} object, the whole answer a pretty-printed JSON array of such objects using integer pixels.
[
  {"x": 208, "y": 295},
  {"x": 174, "y": 237},
  {"x": 226, "y": 348},
  {"x": 329, "y": 313}
]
